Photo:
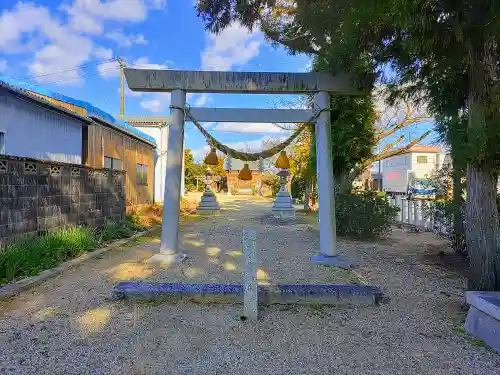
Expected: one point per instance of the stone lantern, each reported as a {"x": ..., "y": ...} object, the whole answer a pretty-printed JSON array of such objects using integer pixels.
[
  {"x": 208, "y": 203},
  {"x": 283, "y": 204}
]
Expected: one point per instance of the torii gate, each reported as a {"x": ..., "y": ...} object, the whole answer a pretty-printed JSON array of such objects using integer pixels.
[{"x": 179, "y": 83}]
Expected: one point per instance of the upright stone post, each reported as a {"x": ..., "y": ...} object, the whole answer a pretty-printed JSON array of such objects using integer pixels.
[
  {"x": 399, "y": 216},
  {"x": 250, "y": 287},
  {"x": 326, "y": 187},
  {"x": 173, "y": 177},
  {"x": 418, "y": 213},
  {"x": 404, "y": 210}
]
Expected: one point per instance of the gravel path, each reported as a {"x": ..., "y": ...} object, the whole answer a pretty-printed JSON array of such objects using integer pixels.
[{"x": 67, "y": 325}]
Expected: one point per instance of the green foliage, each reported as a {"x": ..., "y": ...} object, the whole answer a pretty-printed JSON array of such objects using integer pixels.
[
  {"x": 272, "y": 181},
  {"x": 34, "y": 255},
  {"x": 353, "y": 127},
  {"x": 191, "y": 171},
  {"x": 298, "y": 188},
  {"x": 364, "y": 215},
  {"x": 116, "y": 230}
]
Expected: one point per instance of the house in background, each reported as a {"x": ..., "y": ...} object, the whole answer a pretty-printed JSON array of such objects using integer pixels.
[
  {"x": 415, "y": 165},
  {"x": 80, "y": 134}
]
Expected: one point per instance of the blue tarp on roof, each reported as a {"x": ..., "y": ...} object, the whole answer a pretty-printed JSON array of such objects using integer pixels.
[{"x": 91, "y": 110}]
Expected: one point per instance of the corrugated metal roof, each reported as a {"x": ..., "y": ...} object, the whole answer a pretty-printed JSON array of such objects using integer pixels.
[
  {"x": 91, "y": 110},
  {"x": 43, "y": 102}
]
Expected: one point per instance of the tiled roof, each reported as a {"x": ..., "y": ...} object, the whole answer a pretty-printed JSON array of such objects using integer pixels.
[
  {"x": 430, "y": 149},
  {"x": 92, "y": 112},
  {"x": 146, "y": 120}
]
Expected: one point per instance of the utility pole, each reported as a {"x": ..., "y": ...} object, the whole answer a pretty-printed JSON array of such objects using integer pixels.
[{"x": 122, "y": 85}]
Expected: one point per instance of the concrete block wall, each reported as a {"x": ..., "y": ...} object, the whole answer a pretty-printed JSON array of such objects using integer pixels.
[{"x": 37, "y": 196}]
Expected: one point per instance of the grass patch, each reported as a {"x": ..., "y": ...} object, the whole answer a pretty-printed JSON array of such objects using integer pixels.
[{"x": 36, "y": 254}]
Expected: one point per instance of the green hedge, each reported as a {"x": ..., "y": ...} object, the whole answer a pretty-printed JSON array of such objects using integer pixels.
[{"x": 364, "y": 215}]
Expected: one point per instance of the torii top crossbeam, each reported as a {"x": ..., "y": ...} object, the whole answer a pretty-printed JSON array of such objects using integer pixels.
[{"x": 237, "y": 82}]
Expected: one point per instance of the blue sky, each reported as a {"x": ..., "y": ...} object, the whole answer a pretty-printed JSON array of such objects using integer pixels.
[{"x": 58, "y": 44}]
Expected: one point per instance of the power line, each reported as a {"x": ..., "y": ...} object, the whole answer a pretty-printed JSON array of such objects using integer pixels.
[
  {"x": 83, "y": 75},
  {"x": 69, "y": 70}
]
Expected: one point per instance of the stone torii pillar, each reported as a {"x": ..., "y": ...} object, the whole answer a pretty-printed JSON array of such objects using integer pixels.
[
  {"x": 173, "y": 182},
  {"x": 326, "y": 187},
  {"x": 180, "y": 82}
]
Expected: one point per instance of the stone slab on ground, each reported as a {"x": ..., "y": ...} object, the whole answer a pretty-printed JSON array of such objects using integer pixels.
[
  {"x": 483, "y": 318},
  {"x": 333, "y": 295}
]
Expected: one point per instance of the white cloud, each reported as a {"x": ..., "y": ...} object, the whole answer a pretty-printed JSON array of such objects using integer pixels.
[
  {"x": 156, "y": 4},
  {"x": 143, "y": 63},
  {"x": 247, "y": 127},
  {"x": 61, "y": 48},
  {"x": 102, "y": 53},
  {"x": 234, "y": 46},
  {"x": 126, "y": 40},
  {"x": 109, "y": 69},
  {"x": 88, "y": 15},
  {"x": 23, "y": 19},
  {"x": 202, "y": 100},
  {"x": 3, "y": 65},
  {"x": 157, "y": 103}
]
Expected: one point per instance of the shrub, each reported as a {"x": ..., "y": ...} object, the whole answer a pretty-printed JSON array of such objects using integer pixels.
[
  {"x": 272, "y": 181},
  {"x": 364, "y": 215},
  {"x": 114, "y": 230},
  {"x": 34, "y": 255},
  {"x": 298, "y": 188}
]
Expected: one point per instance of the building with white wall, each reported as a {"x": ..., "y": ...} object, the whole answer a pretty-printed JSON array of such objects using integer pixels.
[
  {"x": 157, "y": 128},
  {"x": 32, "y": 127},
  {"x": 419, "y": 162}
]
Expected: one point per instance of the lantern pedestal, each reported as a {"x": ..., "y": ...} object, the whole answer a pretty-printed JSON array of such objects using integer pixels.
[
  {"x": 283, "y": 205},
  {"x": 208, "y": 203}
]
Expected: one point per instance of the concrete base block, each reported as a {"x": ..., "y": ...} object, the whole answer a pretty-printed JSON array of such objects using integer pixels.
[
  {"x": 333, "y": 261},
  {"x": 326, "y": 294},
  {"x": 483, "y": 318},
  {"x": 167, "y": 258}
]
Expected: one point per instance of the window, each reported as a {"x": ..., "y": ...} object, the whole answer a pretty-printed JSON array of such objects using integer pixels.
[
  {"x": 112, "y": 163},
  {"x": 2, "y": 143},
  {"x": 422, "y": 159},
  {"x": 141, "y": 174}
]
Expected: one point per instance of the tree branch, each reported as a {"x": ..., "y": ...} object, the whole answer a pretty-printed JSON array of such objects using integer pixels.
[{"x": 384, "y": 155}]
